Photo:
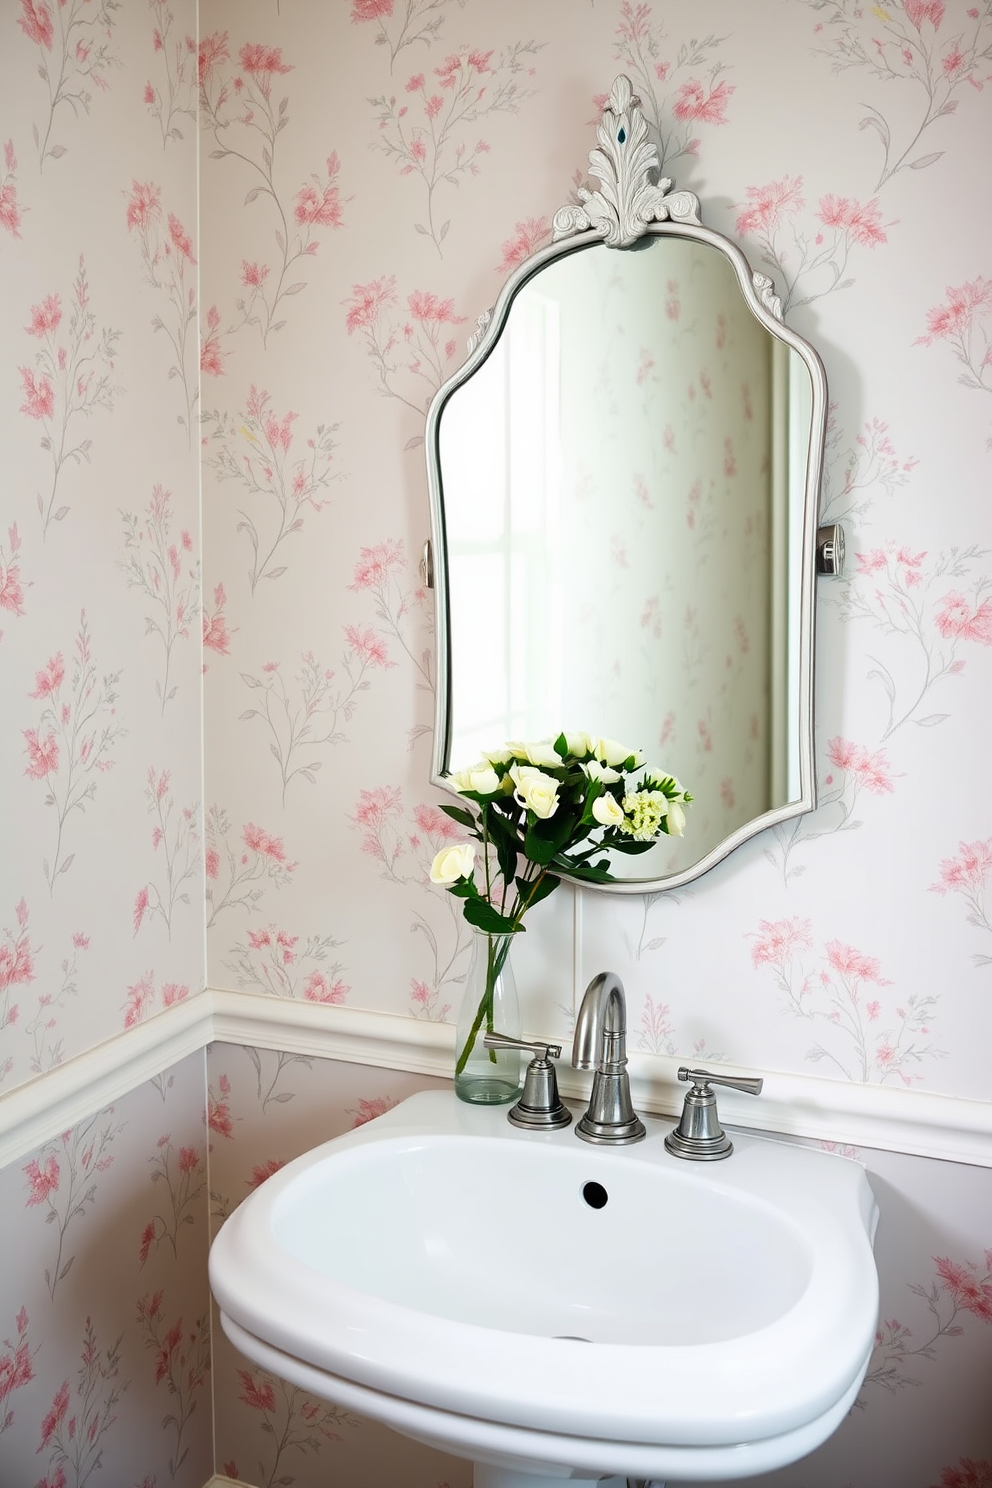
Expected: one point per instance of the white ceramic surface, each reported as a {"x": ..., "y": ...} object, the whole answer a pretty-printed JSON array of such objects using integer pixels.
[{"x": 444, "y": 1272}]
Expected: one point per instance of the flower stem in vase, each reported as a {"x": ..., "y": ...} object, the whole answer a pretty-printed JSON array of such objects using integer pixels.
[{"x": 488, "y": 1076}]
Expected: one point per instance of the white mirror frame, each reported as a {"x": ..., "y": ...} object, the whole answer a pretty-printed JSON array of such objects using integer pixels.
[{"x": 632, "y": 203}]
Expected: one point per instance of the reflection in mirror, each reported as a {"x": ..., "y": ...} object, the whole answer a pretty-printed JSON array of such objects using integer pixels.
[{"x": 624, "y": 490}]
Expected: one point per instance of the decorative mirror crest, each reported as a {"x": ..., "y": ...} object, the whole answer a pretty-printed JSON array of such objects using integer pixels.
[
  {"x": 624, "y": 480},
  {"x": 625, "y": 163}
]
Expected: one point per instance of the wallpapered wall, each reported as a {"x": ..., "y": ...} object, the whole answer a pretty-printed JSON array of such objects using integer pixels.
[{"x": 373, "y": 171}]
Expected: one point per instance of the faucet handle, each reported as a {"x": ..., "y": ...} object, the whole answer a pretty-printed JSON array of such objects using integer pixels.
[
  {"x": 539, "y": 1107},
  {"x": 539, "y": 1047},
  {"x": 699, "y": 1135},
  {"x": 701, "y": 1077}
]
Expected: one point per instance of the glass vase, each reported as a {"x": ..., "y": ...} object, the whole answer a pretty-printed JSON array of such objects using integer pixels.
[{"x": 488, "y": 1077}]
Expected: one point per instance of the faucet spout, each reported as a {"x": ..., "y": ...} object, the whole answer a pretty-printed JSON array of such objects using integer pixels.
[{"x": 600, "y": 1043}]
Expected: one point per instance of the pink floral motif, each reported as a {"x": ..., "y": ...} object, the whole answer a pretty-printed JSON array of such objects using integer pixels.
[
  {"x": 72, "y": 376},
  {"x": 253, "y": 448},
  {"x": 408, "y": 351},
  {"x": 413, "y": 21},
  {"x": 174, "y": 99},
  {"x": 901, "y": 43},
  {"x": 381, "y": 571},
  {"x": 261, "y": 1171},
  {"x": 965, "y": 323},
  {"x": 10, "y": 208},
  {"x": 969, "y": 1473},
  {"x": 74, "y": 40},
  {"x": 16, "y": 968},
  {"x": 404, "y": 850},
  {"x": 73, "y": 739},
  {"x": 167, "y": 255},
  {"x": 967, "y": 874},
  {"x": 141, "y": 996},
  {"x": 318, "y": 202},
  {"x": 851, "y": 473},
  {"x": 369, "y": 1108},
  {"x": 181, "y": 1177},
  {"x": 162, "y": 567},
  {"x": 237, "y": 879},
  {"x": 48, "y": 1055},
  {"x": 246, "y": 122},
  {"x": 694, "y": 101},
  {"x": 211, "y": 355},
  {"x": 809, "y": 266},
  {"x": 700, "y": 95},
  {"x": 291, "y": 1421},
  {"x": 425, "y": 1002},
  {"x": 181, "y": 1361},
  {"x": 64, "y": 1179},
  {"x": 176, "y": 833},
  {"x": 961, "y": 1287},
  {"x": 312, "y": 716},
  {"x": 43, "y": 1179},
  {"x": 219, "y": 1119},
  {"x": 656, "y": 1028},
  {"x": 276, "y": 962},
  {"x": 16, "y": 1367},
  {"x": 216, "y": 636},
  {"x": 74, "y": 1439},
  {"x": 837, "y": 996},
  {"x": 862, "y": 222},
  {"x": 35, "y": 21},
  {"x": 528, "y": 237},
  {"x": 899, "y": 599},
  {"x": 969, "y": 1290},
  {"x": 317, "y": 988},
  {"x": 425, "y": 133}
]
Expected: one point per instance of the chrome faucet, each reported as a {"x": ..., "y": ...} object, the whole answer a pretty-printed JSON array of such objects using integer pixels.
[{"x": 601, "y": 1043}]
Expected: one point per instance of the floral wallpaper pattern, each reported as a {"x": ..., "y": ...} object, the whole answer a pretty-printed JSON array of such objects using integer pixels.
[
  {"x": 100, "y": 883},
  {"x": 368, "y": 174}
]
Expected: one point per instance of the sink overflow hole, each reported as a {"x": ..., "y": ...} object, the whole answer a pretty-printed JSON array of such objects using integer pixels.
[{"x": 595, "y": 1195}]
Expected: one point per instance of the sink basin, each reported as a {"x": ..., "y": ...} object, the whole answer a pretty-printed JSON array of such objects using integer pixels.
[{"x": 551, "y": 1309}]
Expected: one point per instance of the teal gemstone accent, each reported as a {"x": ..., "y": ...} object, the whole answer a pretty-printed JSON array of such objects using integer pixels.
[{"x": 621, "y": 135}]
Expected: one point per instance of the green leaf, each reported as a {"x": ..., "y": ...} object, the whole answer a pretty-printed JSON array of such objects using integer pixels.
[
  {"x": 464, "y": 889},
  {"x": 480, "y": 913},
  {"x": 533, "y": 893},
  {"x": 504, "y": 838},
  {"x": 461, "y": 816},
  {"x": 590, "y": 873}
]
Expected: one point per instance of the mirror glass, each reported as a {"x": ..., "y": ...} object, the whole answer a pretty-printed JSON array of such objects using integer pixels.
[{"x": 624, "y": 486}]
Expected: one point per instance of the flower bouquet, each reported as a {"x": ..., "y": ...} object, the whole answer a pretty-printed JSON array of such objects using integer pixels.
[{"x": 538, "y": 810}]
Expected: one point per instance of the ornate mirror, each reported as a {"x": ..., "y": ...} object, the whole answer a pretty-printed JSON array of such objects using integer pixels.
[{"x": 624, "y": 480}]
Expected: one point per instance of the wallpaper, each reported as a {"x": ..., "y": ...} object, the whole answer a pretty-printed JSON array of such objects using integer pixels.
[
  {"x": 387, "y": 210},
  {"x": 266, "y": 306},
  {"x": 101, "y": 872},
  {"x": 104, "y": 1306}
]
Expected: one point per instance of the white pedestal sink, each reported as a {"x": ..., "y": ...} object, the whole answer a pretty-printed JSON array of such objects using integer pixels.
[{"x": 555, "y": 1310}]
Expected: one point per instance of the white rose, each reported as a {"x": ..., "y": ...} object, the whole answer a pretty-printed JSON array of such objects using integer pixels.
[
  {"x": 611, "y": 752},
  {"x": 579, "y": 744},
  {"x": 676, "y": 819},
  {"x": 595, "y": 771},
  {"x": 535, "y": 790},
  {"x": 481, "y": 779},
  {"x": 542, "y": 753},
  {"x": 498, "y": 756},
  {"x": 607, "y": 811},
  {"x": 453, "y": 863}
]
